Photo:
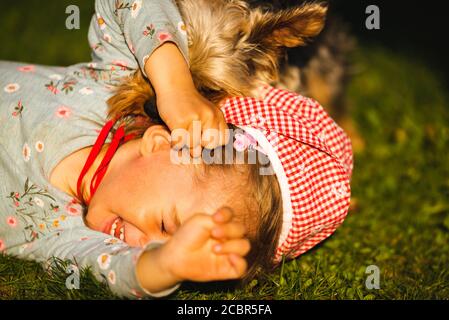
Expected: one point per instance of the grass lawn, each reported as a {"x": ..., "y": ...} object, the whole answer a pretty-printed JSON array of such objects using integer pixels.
[{"x": 400, "y": 216}]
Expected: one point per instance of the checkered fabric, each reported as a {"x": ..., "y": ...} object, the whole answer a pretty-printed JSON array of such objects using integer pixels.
[{"x": 315, "y": 163}]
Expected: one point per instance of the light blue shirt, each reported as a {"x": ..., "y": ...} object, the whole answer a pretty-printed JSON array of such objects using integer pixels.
[{"x": 47, "y": 113}]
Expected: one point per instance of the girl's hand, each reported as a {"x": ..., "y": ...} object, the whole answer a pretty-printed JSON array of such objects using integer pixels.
[
  {"x": 202, "y": 123},
  {"x": 180, "y": 104},
  {"x": 207, "y": 248}
]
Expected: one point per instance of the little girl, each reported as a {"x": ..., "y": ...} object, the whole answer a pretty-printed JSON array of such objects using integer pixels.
[
  {"x": 49, "y": 119},
  {"x": 135, "y": 195}
]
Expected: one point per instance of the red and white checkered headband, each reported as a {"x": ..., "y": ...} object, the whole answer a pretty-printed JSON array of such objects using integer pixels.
[{"x": 311, "y": 157}]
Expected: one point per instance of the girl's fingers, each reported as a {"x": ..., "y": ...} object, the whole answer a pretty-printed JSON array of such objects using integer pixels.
[
  {"x": 240, "y": 247},
  {"x": 195, "y": 139},
  {"x": 223, "y": 215},
  {"x": 179, "y": 138},
  {"x": 215, "y": 133},
  {"x": 229, "y": 231},
  {"x": 238, "y": 264}
]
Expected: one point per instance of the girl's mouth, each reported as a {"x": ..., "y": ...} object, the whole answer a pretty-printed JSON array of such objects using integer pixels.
[{"x": 117, "y": 229}]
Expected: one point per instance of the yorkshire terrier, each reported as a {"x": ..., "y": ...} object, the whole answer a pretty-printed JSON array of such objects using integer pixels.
[{"x": 235, "y": 46}]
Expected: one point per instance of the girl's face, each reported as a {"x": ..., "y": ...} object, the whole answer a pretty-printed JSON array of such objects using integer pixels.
[{"x": 144, "y": 196}]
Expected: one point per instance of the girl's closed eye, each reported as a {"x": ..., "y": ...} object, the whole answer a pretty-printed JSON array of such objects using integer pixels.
[{"x": 163, "y": 230}]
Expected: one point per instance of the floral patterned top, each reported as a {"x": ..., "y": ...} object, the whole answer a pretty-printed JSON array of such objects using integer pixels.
[{"x": 47, "y": 113}]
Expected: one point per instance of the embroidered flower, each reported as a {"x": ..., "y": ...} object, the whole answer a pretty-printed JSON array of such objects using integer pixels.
[
  {"x": 101, "y": 22},
  {"x": 72, "y": 209},
  {"x": 92, "y": 65},
  {"x": 111, "y": 277},
  {"x": 86, "y": 91},
  {"x": 149, "y": 30},
  {"x": 39, "y": 146},
  {"x": 164, "y": 36},
  {"x": 41, "y": 226},
  {"x": 135, "y": 9},
  {"x": 26, "y": 69},
  {"x": 244, "y": 141},
  {"x": 2, "y": 245},
  {"x": 12, "y": 87},
  {"x": 107, "y": 37},
  {"x": 18, "y": 109},
  {"x": 52, "y": 88},
  {"x": 182, "y": 27},
  {"x": 63, "y": 112},
  {"x": 26, "y": 152},
  {"x": 11, "y": 221},
  {"x": 104, "y": 261},
  {"x": 122, "y": 64},
  {"x": 55, "y": 223},
  {"x": 38, "y": 202}
]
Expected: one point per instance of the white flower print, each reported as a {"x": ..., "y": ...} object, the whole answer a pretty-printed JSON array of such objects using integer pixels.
[
  {"x": 86, "y": 91},
  {"x": 107, "y": 37},
  {"x": 104, "y": 261},
  {"x": 39, "y": 146},
  {"x": 101, "y": 22},
  {"x": 135, "y": 9},
  {"x": 111, "y": 277},
  {"x": 38, "y": 202},
  {"x": 145, "y": 59},
  {"x": 182, "y": 28},
  {"x": 55, "y": 76},
  {"x": 11, "y": 88},
  {"x": 26, "y": 152},
  {"x": 22, "y": 248},
  {"x": 111, "y": 241}
]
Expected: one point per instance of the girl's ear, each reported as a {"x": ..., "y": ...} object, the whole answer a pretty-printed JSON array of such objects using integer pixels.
[
  {"x": 155, "y": 138},
  {"x": 286, "y": 28}
]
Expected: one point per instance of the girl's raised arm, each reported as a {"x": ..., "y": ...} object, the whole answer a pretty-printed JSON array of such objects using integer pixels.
[{"x": 124, "y": 33}]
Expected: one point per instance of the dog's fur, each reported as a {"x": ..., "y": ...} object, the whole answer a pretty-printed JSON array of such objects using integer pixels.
[
  {"x": 236, "y": 45},
  {"x": 233, "y": 48}
]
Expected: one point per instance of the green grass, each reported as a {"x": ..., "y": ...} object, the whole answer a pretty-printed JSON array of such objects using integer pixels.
[{"x": 400, "y": 220}]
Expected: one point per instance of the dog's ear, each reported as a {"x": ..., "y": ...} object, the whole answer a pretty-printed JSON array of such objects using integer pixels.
[{"x": 286, "y": 28}]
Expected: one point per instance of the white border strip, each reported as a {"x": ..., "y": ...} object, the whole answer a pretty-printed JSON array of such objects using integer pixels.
[{"x": 282, "y": 179}]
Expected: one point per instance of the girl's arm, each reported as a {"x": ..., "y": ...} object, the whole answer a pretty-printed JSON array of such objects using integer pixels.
[
  {"x": 204, "y": 248},
  {"x": 151, "y": 35},
  {"x": 180, "y": 104},
  {"x": 110, "y": 260}
]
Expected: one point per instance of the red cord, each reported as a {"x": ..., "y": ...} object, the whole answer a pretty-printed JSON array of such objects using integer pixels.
[{"x": 117, "y": 140}]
